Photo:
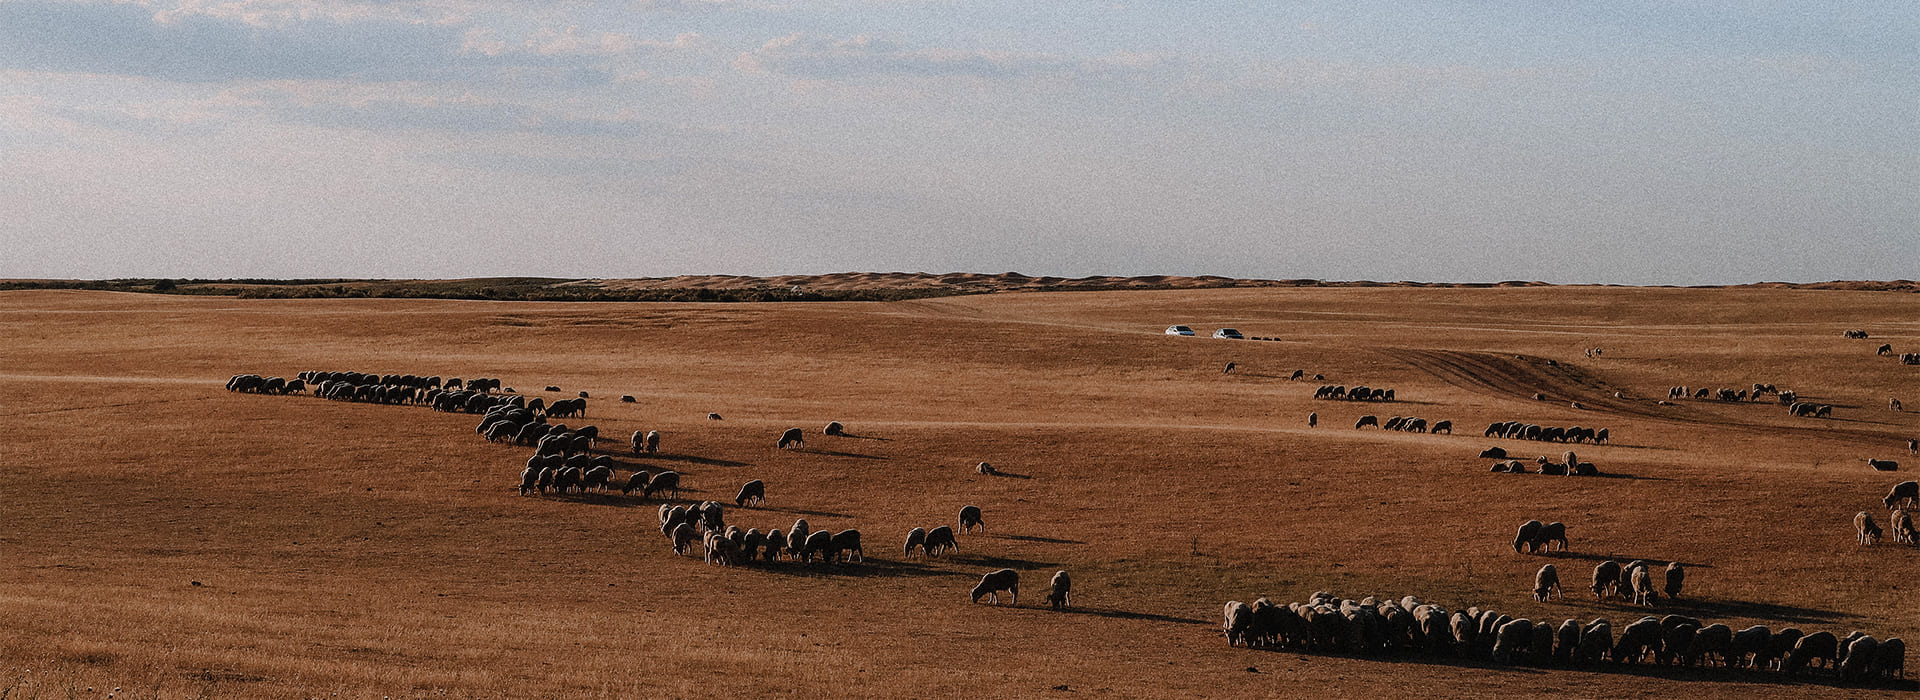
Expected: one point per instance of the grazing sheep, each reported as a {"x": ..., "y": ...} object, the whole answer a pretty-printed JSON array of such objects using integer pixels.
[
  {"x": 1867, "y": 531},
  {"x": 1884, "y": 349},
  {"x": 653, "y": 441},
  {"x": 1511, "y": 638},
  {"x": 846, "y": 544},
  {"x": 1913, "y": 447},
  {"x": 683, "y": 537},
  {"x": 1228, "y": 370},
  {"x": 1746, "y": 645},
  {"x": 1637, "y": 640},
  {"x": 627, "y": 398},
  {"x": 1313, "y": 419},
  {"x": 1774, "y": 654},
  {"x": 1902, "y": 524},
  {"x": 1820, "y": 645},
  {"x": 1063, "y": 590},
  {"x": 1550, "y": 534},
  {"x": 597, "y": 478},
  {"x": 818, "y": 543},
  {"x": 1643, "y": 587},
  {"x": 529, "y": 479},
  {"x": 916, "y": 538},
  {"x": 1546, "y": 583},
  {"x": 637, "y": 482},
  {"x": 1676, "y": 578},
  {"x": 1606, "y": 578},
  {"x": 639, "y": 441},
  {"x": 1715, "y": 640},
  {"x": 1493, "y": 453},
  {"x": 970, "y": 518},
  {"x": 713, "y": 416},
  {"x": 1498, "y": 467},
  {"x": 1903, "y": 494},
  {"x": 1009, "y": 580},
  {"x": 1890, "y": 661},
  {"x": 1859, "y": 658},
  {"x": 791, "y": 439},
  {"x": 1883, "y": 465},
  {"x": 754, "y": 492},
  {"x": 1566, "y": 639},
  {"x": 1596, "y": 640},
  {"x": 1528, "y": 536},
  {"x": 834, "y": 428},
  {"x": 776, "y": 543},
  {"x": 1237, "y": 622},
  {"x": 663, "y": 481},
  {"x": 1445, "y": 426},
  {"x": 1366, "y": 421},
  {"x": 940, "y": 540},
  {"x": 986, "y": 469},
  {"x": 1894, "y": 404}
]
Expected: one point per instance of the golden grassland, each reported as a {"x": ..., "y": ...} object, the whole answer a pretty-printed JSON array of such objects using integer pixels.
[{"x": 168, "y": 538}]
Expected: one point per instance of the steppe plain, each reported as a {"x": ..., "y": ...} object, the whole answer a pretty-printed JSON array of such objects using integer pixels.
[{"x": 163, "y": 536}]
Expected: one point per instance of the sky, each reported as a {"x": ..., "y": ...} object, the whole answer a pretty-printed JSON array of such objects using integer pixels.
[{"x": 1569, "y": 142}]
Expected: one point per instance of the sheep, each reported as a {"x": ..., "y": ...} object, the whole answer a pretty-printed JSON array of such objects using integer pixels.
[
  {"x": 797, "y": 536},
  {"x": 846, "y": 544},
  {"x": 1550, "y": 534},
  {"x": 529, "y": 479},
  {"x": 1676, "y": 639},
  {"x": 1894, "y": 404},
  {"x": 683, "y": 536},
  {"x": 637, "y": 482},
  {"x": 1638, "y": 639},
  {"x": 1819, "y": 645},
  {"x": 986, "y": 469},
  {"x": 1746, "y": 645},
  {"x": 713, "y": 416},
  {"x": 970, "y": 518},
  {"x": 1860, "y": 656},
  {"x": 1493, "y": 453},
  {"x": 1606, "y": 578},
  {"x": 1063, "y": 590},
  {"x": 1009, "y": 580},
  {"x": 1546, "y": 583},
  {"x": 1541, "y": 651},
  {"x": 639, "y": 441},
  {"x": 1643, "y": 587},
  {"x": 1903, "y": 494},
  {"x": 1902, "y": 524},
  {"x": 834, "y": 428},
  {"x": 627, "y": 398},
  {"x": 1511, "y": 638},
  {"x": 1237, "y": 621},
  {"x": 1596, "y": 639},
  {"x": 819, "y": 543},
  {"x": 1890, "y": 660},
  {"x": 1865, "y": 529},
  {"x": 1527, "y": 536},
  {"x": 1566, "y": 640},
  {"x": 916, "y": 537},
  {"x": 791, "y": 439},
  {"x": 711, "y": 516},
  {"x": 750, "y": 547},
  {"x": 1366, "y": 421},
  {"x": 1884, "y": 349},
  {"x": 940, "y": 540},
  {"x": 1676, "y": 577},
  {"x": 1883, "y": 465},
  {"x": 597, "y": 478},
  {"x": 776, "y": 541},
  {"x": 653, "y": 441},
  {"x": 1774, "y": 654},
  {"x": 754, "y": 492},
  {"x": 1313, "y": 419},
  {"x": 663, "y": 481},
  {"x": 1913, "y": 447},
  {"x": 1715, "y": 639}
]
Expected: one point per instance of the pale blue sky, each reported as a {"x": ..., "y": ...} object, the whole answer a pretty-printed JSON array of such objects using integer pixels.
[{"x": 1637, "y": 143}]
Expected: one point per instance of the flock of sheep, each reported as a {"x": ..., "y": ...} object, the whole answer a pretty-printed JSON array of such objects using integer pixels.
[
  {"x": 1371, "y": 627},
  {"x": 1407, "y": 424},
  {"x": 1569, "y": 464},
  {"x": 1359, "y": 393}
]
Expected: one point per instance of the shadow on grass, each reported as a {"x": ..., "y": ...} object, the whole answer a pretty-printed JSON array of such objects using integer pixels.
[
  {"x": 832, "y": 453},
  {"x": 1037, "y": 538},
  {"x": 692, "y": 459},
  {"x": 1131, "y": 615},
  {"x": 871, "y": 568},
  {"x": 1670, "y": 673},
  {"x": 798, "y": 511},
  {"x": 1623, "y": 560}
]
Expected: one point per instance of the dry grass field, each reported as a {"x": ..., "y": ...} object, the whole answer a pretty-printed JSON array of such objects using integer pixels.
[{"x": 166, "y": 537}]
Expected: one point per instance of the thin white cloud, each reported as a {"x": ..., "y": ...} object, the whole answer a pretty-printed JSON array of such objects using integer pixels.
[{"x": 814, "y": 57}]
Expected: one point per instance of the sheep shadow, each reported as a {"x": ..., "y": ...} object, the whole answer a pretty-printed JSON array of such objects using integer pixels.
[
  {"x": 1001, "y": 562},
  {"x": 797, "y": 511},
  {"x": 1790, "y": 614},
  {"x": 869, "y": 568},
  {"x": 1622, "y": 559},
  {"x": 833, "y": 453},
  {"x": 864, "y": 437},
  {"x": 1037, "y": 538},
  {"x": 1009, "y": 475},
  {"x": 693, "y": 459},
  {"x": 1131, "y": 615}
]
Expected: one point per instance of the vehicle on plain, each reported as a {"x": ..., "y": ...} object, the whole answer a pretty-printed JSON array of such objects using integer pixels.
[
  {"x": 1228, "y": 333},
  {"x": 1179, "y": 330}
]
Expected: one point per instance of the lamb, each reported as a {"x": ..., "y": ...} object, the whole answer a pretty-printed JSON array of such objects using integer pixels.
[
  {"x": 754, "y": 492},
  {"x": 940, "y": 540},
  {"x": 791, "y": 439},
  {"x": 1546, "y": 583},
  {"x": 1676, "y": 577},
  {"x": 1528, "y": 536},
  {"x": 1904, "y": 494},
  {"x": 970, "y": 518},
  {"x": 1550, "y": 534},
  {"x": 1062, "y": 591},
  {"x": 1606, "y": 578},
  {"x": 1865, "y": 529},
  {"x": 1009, "y": 580},
  {"x": 1883, "y": 465},
  {"x": 834, "y": 428}
]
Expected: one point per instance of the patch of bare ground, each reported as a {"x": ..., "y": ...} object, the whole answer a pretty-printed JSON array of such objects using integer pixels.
[{"x": 170, "y": 538}]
